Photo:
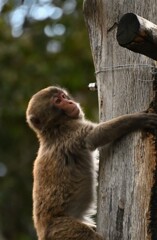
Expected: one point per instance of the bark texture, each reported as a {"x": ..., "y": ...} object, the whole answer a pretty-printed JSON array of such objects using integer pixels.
[{"x": 127, "y": 195}]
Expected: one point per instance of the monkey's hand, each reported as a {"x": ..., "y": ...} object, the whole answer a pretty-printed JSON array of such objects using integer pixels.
[
  {"x": 110, "y": 131},
  {"x": 149, "y": 120}
]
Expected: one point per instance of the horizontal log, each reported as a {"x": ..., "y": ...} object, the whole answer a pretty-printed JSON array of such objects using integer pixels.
[{"x": 138, "y": 34}]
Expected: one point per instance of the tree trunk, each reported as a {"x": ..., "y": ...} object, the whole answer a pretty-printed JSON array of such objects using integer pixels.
[{"x": 127, "y": 194}]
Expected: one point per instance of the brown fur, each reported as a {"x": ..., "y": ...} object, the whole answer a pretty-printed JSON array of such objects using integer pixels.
[{"x": 64, "y": 170}]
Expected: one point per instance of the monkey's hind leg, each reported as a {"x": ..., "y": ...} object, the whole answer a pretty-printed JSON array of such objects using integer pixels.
[{"x": 67, "y": 228}]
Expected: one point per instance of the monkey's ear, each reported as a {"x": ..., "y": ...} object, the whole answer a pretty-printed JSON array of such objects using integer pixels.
[{"x": 34, "y": 121}]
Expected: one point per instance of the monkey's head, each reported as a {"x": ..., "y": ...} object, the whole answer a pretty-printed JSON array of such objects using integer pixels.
[{"x": 50, "y": 108}]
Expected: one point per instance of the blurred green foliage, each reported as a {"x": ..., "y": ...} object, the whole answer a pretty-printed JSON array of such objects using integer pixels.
[{"x": 25, "y": 67}]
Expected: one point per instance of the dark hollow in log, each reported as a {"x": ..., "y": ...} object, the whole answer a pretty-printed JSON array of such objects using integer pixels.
[{"x": 138, "y": 34}]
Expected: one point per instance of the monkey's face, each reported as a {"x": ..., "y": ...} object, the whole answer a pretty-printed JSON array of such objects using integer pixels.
[
  {"x": 51, "y": 107},
  {"x": 61, "y": 101}
]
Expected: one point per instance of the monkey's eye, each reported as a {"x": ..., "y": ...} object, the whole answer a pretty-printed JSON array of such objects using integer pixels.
[
  {"x": 57, "y": 100},
  {"x": 63, "y": 95}
]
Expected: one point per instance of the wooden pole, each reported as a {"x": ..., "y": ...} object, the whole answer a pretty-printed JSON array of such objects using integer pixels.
[
  {"x": 138, "y": 35},
  {"x": 127, "y": 193}
]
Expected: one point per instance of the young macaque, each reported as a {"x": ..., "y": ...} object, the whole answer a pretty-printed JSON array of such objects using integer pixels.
[{"x": 64, "y": 170}]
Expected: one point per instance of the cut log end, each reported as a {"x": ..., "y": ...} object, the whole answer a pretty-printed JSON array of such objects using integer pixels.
[
  {"x": 138, "y": 34},
  {"x": 128, "y": 29}
]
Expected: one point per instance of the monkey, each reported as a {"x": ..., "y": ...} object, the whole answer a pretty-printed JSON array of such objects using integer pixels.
[{"x": 64, "y": 172}]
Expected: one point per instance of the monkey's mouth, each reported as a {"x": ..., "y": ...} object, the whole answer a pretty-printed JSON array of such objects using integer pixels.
[{"x": 74, "y": 113}]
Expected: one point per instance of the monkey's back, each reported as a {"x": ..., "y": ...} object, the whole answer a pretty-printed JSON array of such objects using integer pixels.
[{"x": 64, "y": 178}]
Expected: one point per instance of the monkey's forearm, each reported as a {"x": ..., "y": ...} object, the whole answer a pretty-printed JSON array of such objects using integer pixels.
[{"x": 110, "y": 131}]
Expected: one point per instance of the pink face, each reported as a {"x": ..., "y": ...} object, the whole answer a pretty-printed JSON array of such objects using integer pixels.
[{"x": 70, "y": 108}]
